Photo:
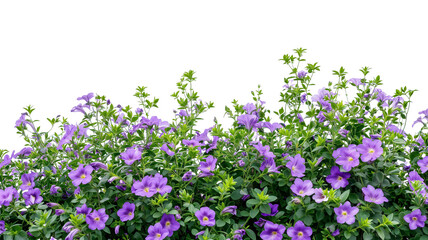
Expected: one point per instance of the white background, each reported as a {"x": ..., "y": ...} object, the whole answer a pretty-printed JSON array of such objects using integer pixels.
[{"x": 52, "y": 52}]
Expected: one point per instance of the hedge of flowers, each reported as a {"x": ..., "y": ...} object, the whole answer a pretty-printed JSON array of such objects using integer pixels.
[{"x": 336, "y": 164}]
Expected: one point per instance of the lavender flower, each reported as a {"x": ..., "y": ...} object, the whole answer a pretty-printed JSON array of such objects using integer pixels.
[
  {"x": 346, "y": 213},
  {"x": 82, "y": 175},
  {"x": 54, "y": 189},
  {"x": 126, "y": 212},
  {"x": 423, "y": 164},
  {"x": 206, "y": 216},
  {"x": 209, "y": 165},
  {"x": 370, "y": 149},
  {"x": 261, "y": 222},
  {"x": 28, "y": 181},
  {"x": 319, "y": 195},
  {"x": 72, "y": 233},
  {"x": 98, "y": 165},
  {"x": 159, "y": 183},
  {"x": 270, "y": 164},
  {"x": 299, "y": 231},
  {"x": 229, "y": 209},
  {"x": 338, "y": 179},
  {"x": 302, "y": 188},
  {"x": 86, "y": 97},
  {"x": 296, "y": 165},
  {"x": 248, "y": 121},
  {"x": 59, "y": 211},
  {"x": 32, "y": 197},
  {"x": 144, "y": 187},
  {"x": 272, "y": 231},
  {"x": 347, "y": 157},
  {"x": 273, "y": 210},
  {"x": 69, "y": 132},
  {"x": 167, "y": 150},
  {"x": 97, "y": 219},
  {"x": 415, "y": 219},
  {"x": 301, "y": 74},
  {"x": 343, "y": 132},
  {"x": 169, "y": 223},
  {"x": 131, "y": 155},
  {"x": 83, "y": 210},
  {"x": 2, "y": 227},
  {"x": 187, "y": 176},
  {"x": 373, "y": 195}
]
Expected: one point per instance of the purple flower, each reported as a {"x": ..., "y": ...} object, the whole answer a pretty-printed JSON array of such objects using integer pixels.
[
  {"x": 169, "y": 223},
  {"x": 303, "y": 98},
  {"x": 98, "y": 165},
  {"x": 299, "y": 116},
  {"x": 7, "y": 195},
  {"x": 335, "y": 233},
  {"x": 321, "y": 117},
  {"x": 83, "y": 210},
  {"x": 209, "y": 165},
  {"x": 54, "y": 189},
  {"x": 347, "y": 157},
  {"x": 144, "y": 187},
  {"x": 338, "y": 179},
  {"x": 159, "y": 183},
  {"x": 299, "y": 231},
  {"x": 206, "y": 216},
  {"x": 248, "y": 120},
  {"x": 28, "y": 181},
  {"x": 261, "y": 222},
  {"x": 199, "y": 233},
  {"x": 7, "y": 160},
  {"x": 131, "y": 155},
  {"x": 301, "y": 74},
  {"x": 157, "y": 232},
  {"x": 272, "y": 231},
  {"x": 264, "y": 150},
  {"x": 69, "y": 132},
  {"x": 59, "y": 211},
  {"x": 370, "y": 149},
  {"x": 270, "y": 164},
  {"x": 356, "y": 81},
  {"x": 296, "y": 165},
  {"x": 2, "y": 227},
  {"x": 302, "y": 188},
  {"x": 229, "y": 209},
  {"x": 116, "y": 229},
  {"x": 72, "y": 233},
  {"x": 415, "y": 219},
  {"x": 86, "y": 97},
  {"x": 343, "y": 132},
  {"x": 272, "y": 126},
  {"x": 319, "y": 195},
  {"x": 187, "y": 176},
  {"x": 273, "y": 210},
  {"x": 249, "y": 108},
  {"x": 25, "y": 152},
  {"x": 167, "y": 150},
  {"x": 32, "y": 197},
  {"x": 126, "y": 212},
  {"x": 346, "y": 213},
  {"x": 373, "y": 195},
  {"x": 423, "y": 164},
  {"x": 82, "y": 175},
  {"x": 414, "y": 176},
  {"x": 97, "y": 219}
]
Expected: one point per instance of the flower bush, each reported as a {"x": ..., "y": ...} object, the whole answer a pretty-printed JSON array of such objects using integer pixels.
[{"x": 336, "y": 164}]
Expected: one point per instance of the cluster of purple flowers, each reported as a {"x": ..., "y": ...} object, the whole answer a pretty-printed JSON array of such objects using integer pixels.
[
  {"x": 165, "y": 228},
  {"x": 348, "y": 157},
  {"x": 150, "y": 185}
]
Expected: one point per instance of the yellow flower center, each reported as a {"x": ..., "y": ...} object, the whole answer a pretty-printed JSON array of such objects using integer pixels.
[
  {"x": 344, "y": 213},
  {"x": 371, "y": 150},
  {"x": 158, "y": 189},
  {"x": 301, "y": 192},
  {"x": 350, "y": 159},
  {"x": 339, "y": 178},
  {"x": 274, "y": 233},
  {"x": 158, "y": 235},
  {"x": 29, "y": 184},
  {"x": 293, "y": 168},
  {"x": 146, "y": 189},
  {"x": 82, "y": 176},
  {"x": 97, "y": 219},
  {"x": 167, "y": 223},
  {"x": 414, "y": 218},
  {"x": 205, "y": 219},
  {"x": 300, "y": 234},
  {"x": 130, "y": 213}
]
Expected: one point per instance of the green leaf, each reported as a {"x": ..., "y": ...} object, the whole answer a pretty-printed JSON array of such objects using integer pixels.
[
  {"x": 251, "y": 234},
  {"x": 254, "y": 212},
  {"x": 380, "y": 233},
  {"x": 344, "y": 196},
  {"x": 220, "y": 223},
  {"x": 265, "y": 208},
  {"x": 367, "y": 236}
]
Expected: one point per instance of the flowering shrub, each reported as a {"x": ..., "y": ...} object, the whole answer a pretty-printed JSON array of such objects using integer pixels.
[{"x": 328, "y": 168}]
